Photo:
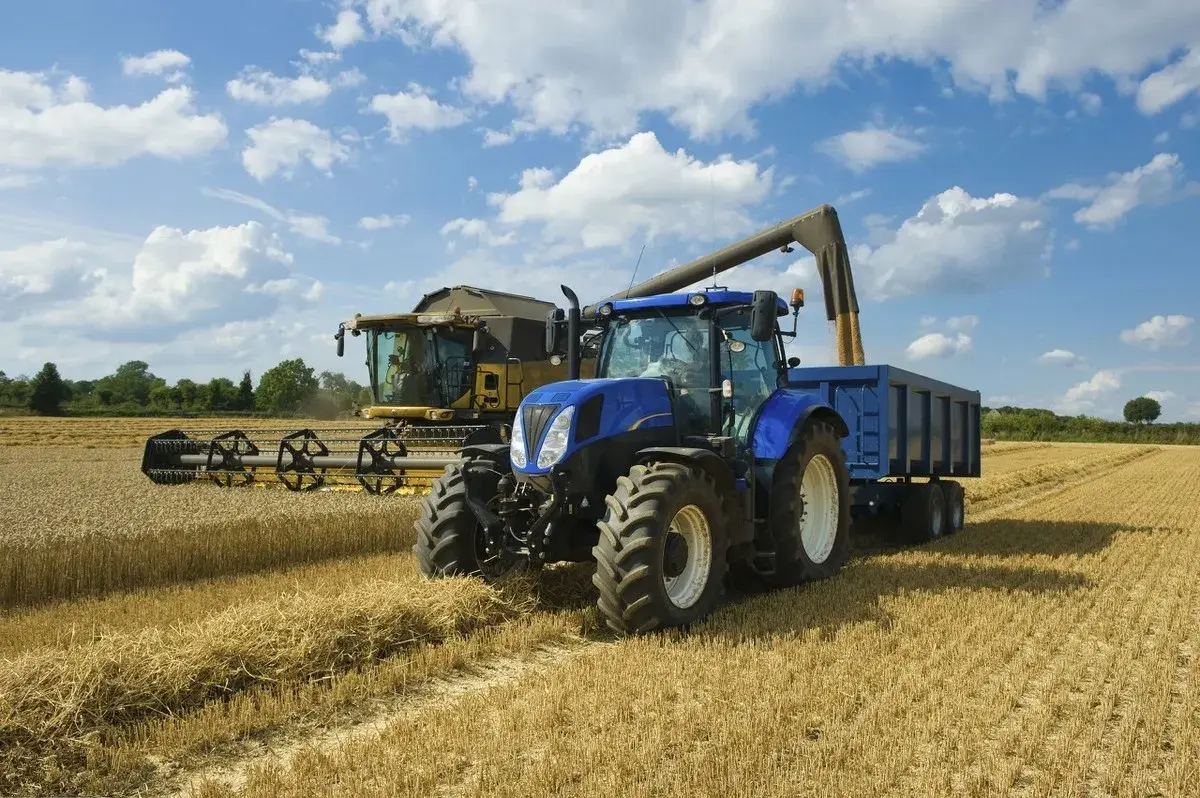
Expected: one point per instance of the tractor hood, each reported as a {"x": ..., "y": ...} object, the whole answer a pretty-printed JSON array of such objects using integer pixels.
[{"x": 557, "y": 419}]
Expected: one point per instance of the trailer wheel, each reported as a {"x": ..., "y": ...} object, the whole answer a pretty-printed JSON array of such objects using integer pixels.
[
  {"x": 661, "y": 557},
  {"x": 450, "y": 539},
  {"x": 810, "y": 508},
  {"x": 923, "y": 513},
  {"x": 952, "y": 494}
]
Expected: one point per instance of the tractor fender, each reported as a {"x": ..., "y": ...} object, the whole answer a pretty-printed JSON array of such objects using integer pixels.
[
  {"x": 783, "y": 416},
  {"x": 711, "y": 462},
  {"x": 494, "y": 452}
]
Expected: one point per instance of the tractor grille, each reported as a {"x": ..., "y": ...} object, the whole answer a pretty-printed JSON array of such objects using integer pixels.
[{"x": 535, "y": 418}]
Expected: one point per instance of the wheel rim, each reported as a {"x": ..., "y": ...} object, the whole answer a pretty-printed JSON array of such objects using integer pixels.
[
  {"x": 956, "y": 514},
  {"x": 693, "y": 541},
  {"x": 819, "y": 519}
]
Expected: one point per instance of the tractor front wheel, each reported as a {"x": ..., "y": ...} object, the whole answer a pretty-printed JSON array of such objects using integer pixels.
[
  {"x": 810, "y": 508},
  {"x": 661, "y": 557},
  {"x": 450, "y": 539}
]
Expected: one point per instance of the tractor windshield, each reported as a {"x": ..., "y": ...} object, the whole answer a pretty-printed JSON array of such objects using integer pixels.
[
  {"x": 661, "y": 343},
  {"x": 420, "y": 366}
]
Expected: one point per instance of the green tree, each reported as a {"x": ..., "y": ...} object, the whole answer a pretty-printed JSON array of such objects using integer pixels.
[
  {"x": 286, "y": 386},
  {"x": 188, "y": 393},
  {"x": 48, "y": 391},
  {"x": 245, "y": 393},
  {"x": 1142, "y": 410},
  {"x": 219, "y": 394},
  {"x": 132, "y": 382}
]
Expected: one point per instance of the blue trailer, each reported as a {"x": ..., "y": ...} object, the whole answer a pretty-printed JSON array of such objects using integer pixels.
[{"x": 700, "y": 450}]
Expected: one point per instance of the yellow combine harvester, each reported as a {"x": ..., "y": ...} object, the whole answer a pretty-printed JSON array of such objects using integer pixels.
[{"x": 450, "y": 373}]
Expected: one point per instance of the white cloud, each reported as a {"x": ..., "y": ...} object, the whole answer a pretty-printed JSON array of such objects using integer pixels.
[
  {"x": 415, "y": 110},
  {"x": 859, "y": 150},
  {"x": 1162, "y": 397},
  {"x": 383, "y": 221},
  {"x": 305, "y": 225},
  {"x": 346, "y": 30},
  {"x": 637, "y": 187},
  {"x": 1162, "y": 138},
  {"x": 280, "y": 145},
  {"x": 176, "y": 281},
  {"x": 497, "y": 138},
  {"x": 1157, "y": 182},
  {"x": 1091, "y": 102},
  {"x": 1060, "y": 357},
  {"x": 1189, "y": 120},
  {"x": 18, "y": 180},
  {"x": 928, "y": 321},
  {"x": 956, "y": 243},
  {"x": 46, "y": 125},
  {"x": 477, "y": 229},
  {"x": 853, "y": 196},
  {"x": 262, "y": 87},
  {"x": 704, "y": 63},
  {"x": 938, "y": 345},
  {"x": 472, "y": 183},
  {"x": 156, "y": 63},
  {"x": 1160, "y": 331},
  {"x": 962, "y": 323},
  {"x": 1083, "y": 395},
  {"x": 1170, "y": 84}
]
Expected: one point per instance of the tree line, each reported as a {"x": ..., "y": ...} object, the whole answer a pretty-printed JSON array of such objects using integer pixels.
[
  {"x": 291, "y": 387},
  {"x": 1035, "y": 424}
]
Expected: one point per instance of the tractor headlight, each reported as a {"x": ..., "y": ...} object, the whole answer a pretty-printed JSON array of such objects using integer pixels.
[
  {"x": 555, "y": 444},
  {"x": 516, "y": 443}
]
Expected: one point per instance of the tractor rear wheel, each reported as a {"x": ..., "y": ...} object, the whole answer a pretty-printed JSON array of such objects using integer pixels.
[
  {"x": 661, "y": 557},
  {"x": 450, "y": 539},
  {"x": 810, "y": 508}
]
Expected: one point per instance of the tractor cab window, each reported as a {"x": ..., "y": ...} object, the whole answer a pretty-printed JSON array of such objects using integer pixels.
[
  {"x": 670, "y": 344},
  {"x": 420, "y": 366},
  {"x": 752, "y": 367}
]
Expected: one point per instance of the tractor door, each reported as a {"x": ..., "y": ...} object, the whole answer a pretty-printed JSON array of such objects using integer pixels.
[{"x": 753, "y": 368}]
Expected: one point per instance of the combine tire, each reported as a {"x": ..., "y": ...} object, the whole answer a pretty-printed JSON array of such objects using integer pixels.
[
  {"x": 923, "y": 514},
  {"x": 810, "y": 508},
  {"x": 952, "y": 493},
  {"x": 450, "y": 540},
  {"x": 661, "y": 558}
]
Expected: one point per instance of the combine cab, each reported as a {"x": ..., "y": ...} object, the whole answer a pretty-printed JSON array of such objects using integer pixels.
[{"x": 449, "y": 374}]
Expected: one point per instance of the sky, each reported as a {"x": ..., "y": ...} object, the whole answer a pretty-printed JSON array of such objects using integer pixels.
[{"x": 212, "y": 187}]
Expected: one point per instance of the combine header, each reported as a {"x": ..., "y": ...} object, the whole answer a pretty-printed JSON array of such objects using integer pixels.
[{"x": 448, "y": 375}]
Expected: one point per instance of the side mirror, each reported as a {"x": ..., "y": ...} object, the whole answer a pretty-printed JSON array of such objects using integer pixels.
[
  {"x": 555, "y": 332},
  {"x": 341, "y": 340},
  {"x": 764, "y": 307},
  {"x": 479, "y": 341},
  {"x": 793, "y": 362}
]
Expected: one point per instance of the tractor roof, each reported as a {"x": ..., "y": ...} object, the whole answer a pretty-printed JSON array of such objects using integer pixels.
[{"x": 718, "y": 297}]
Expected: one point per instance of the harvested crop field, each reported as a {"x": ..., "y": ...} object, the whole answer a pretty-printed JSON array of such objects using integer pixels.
[{"x": 262, "y": 643}]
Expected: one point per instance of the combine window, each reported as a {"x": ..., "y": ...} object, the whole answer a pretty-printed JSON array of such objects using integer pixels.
[{"x": 420, "y": 367}]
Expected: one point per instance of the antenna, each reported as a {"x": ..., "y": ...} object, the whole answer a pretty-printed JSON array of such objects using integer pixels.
[
  {"x": 633, "y": 276},
  {"x": 712, "y": 204}
]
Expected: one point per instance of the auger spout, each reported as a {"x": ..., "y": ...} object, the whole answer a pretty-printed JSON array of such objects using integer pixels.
[{"x": 818, "y": 231}]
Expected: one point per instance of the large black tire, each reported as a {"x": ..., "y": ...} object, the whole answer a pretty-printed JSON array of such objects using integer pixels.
[
  {"x": 635, "y": 539},
  {"x": 923, "y": 513},
  {"x": 450, "y": 539},
  {"x": 794, "y": 562},
  {"x": 955, "y": 504}
]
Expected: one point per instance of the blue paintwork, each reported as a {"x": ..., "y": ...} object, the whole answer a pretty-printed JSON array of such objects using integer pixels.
[
  {"x": 779, "y": 419},
  {"x": 627, "y": 401},
  {"x": 901, "y": 423},
  {"x": 680, "y": 300}
]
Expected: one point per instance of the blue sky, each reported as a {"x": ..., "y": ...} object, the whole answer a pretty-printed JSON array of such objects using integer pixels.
[{"x": 212, "y": 188}]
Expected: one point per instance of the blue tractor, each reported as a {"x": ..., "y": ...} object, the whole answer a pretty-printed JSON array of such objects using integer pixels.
[{"x": 695, "y": 452}]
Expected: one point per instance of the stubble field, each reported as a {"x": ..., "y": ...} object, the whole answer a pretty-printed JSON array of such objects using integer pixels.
[{"x": 262, "y": 643}]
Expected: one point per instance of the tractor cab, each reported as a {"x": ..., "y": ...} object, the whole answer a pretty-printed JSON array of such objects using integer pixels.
[{"x": 705, "y": 344}]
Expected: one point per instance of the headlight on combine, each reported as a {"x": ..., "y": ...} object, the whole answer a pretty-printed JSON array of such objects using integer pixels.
[
  {"x": 516, "y": 443},
  {"x": 555, "y": 444}
]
